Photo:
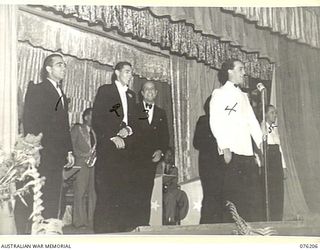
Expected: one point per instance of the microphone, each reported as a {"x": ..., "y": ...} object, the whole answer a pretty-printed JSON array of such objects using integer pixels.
[{"x": 261, "y": 87}]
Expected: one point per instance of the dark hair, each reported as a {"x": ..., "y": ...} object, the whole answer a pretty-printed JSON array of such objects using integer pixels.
[
  {"x": 223, "y": 74},
  {"x": 119, "y": 66},
  {"x": 48, "y": 62},
  {"x": 206, "y": 105},
  {"x": 86, "y": 112}
]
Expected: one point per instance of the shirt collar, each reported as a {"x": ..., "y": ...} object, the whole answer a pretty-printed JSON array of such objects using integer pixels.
[
  {"x": 54, "y": 83},
  {"x": 232, "y": 85},
  {"x": 121, "y": 87}
]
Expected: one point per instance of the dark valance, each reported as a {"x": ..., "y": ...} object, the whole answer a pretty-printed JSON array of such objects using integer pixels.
[{"x": 178, "y": 37}]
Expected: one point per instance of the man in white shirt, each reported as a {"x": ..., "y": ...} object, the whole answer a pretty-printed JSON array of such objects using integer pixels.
[
  {"x": 113, "y": 120},
  {"x": 233, "y": 123}
]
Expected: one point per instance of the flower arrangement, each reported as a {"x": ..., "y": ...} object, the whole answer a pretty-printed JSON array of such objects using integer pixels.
[{"x": 21, "y": 165}]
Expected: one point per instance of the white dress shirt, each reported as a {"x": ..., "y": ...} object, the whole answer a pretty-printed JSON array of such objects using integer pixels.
[
  {"x": 232, "y": 120},
  {"x": 274, "y": 139},
  {"x": 122, "y": 91},
  {"x": 273, "y": 135},
  {"x": 55, "y": 85},
  {"x": 150, "y": 111}
]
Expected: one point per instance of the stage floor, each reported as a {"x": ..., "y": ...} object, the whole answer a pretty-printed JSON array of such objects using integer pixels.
[{"x": 283, "y": 228}]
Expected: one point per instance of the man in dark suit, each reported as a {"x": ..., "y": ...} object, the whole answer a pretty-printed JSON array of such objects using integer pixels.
[
  {"x": 152, "y": 143},
  {"x": 46, "y": 112},
  {"x": 113, "y": 121},
  {"x": 211, "y": 170}
]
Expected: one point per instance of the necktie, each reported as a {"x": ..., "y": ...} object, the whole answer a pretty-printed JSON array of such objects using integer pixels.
[
  {"x": 91, "y": 138},
  {"x": 59, "y": 90},
  {"x": 148, "y": 106}
]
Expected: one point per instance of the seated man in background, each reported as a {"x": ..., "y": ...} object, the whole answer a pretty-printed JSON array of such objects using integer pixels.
[
  {"x": 175, "y": 201},
  {"x": 84, "y": 143}
]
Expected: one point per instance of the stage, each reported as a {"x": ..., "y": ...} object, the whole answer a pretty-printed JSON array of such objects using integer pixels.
[{"x": 283, "y": 228}]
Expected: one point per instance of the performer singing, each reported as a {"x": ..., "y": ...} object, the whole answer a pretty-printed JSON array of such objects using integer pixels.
[{"x": 233, "y": 122}]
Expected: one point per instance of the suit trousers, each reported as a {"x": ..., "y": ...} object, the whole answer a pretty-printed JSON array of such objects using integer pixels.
[
  {"x": 143, "y": 181},
  {"x": 275, "y": 183},
  {"x": 52, "y": 190},
  {"x": 211, "y": 171},
  {"x": 114, "y": 211},
  {"x": 242, "y": 187},
  {"x": 84, "y": 197}
]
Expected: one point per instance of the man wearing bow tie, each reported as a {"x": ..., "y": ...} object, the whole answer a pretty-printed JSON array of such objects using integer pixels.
[
  {"x": 233, "y": 123},
  {"x": 153, "y": 141},
  {"x": 277, "y": 170},
  {"x": 46, "y": 112},
  {"x": 113, "y": 121}
]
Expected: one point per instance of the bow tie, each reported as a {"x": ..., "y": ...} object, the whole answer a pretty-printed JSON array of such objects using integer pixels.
[
  {"x": 148, "y": 106},
  {"x": 271, "y": 127}
]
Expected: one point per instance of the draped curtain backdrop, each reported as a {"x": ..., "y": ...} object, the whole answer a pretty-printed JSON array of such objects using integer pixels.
[
  {"x": 298, "y": 101},
  {"x": 8, "y": 77}
]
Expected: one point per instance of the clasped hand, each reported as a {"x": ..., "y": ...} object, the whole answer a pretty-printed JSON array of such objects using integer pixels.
[{"x": 125, "y": 132}]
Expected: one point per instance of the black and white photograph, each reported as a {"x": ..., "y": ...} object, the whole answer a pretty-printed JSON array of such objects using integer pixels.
[{"x": 153, "y": 120}]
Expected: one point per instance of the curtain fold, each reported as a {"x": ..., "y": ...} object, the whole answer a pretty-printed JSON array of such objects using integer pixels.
[
  {"x": 299, "y": 121},
  {"x": 298, "y": 23},
  {"x": 8, "y": 77},
  {"x": 295, "y": 205},
  {"x": 192, "y": 84},
  {"x": 54, "y": 36},
  {"x": 180, "y": 103}
]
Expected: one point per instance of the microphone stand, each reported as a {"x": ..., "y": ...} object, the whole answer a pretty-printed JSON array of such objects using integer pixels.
[{"x": 265, "y": 145}]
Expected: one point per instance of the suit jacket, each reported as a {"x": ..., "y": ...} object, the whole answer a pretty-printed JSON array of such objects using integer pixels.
[
  {"x": 44, "y": 113},
  {"x": 81, "y": 144},
  {"x": 154, "y": 136},
  {"x": 206, "y": 143},
  {"x": 107, "y": 115}
]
